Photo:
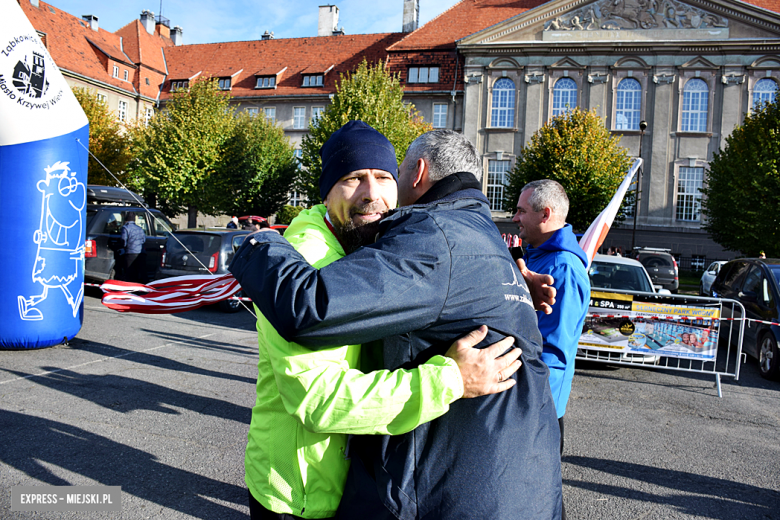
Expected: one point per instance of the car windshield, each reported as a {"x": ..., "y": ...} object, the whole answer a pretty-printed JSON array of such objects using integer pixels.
[
  {"x": 198, "y": 244},
  {"x": 775, "y": 268},
  {"x": 619, "y": 276}
]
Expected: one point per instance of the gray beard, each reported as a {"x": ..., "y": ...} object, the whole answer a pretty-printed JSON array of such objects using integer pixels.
[{"x": 353, "y": 237}]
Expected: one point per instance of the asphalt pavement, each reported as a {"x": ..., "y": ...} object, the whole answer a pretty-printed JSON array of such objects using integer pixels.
[{"x": 160, "y": 405}]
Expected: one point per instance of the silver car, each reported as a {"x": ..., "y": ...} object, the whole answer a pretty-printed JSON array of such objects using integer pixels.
[{"x": 705, "y": 287}]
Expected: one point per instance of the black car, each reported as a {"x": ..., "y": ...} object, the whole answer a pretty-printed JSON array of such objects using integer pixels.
[
  {"x": 108, "y": 209},
  {"x": 189, "y": 252},
  {"x": 660, "y": 265},
  {"x": 754, "y": 283}
]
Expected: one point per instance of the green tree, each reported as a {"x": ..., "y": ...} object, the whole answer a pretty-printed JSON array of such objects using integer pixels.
[
  {"x": 742, "y": 192},
  {"x": 177, "y": 155},
  {"x": 257, "y": 169},
  {"x": 369, "y": 94},
  {"x": 576, "y": 150},
  {"x": 285, "y": 215},
  {"x": 108, "y": 141}
]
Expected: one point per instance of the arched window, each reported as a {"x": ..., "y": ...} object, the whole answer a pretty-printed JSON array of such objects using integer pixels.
[
  {"x": 564, "y": 96},
  {"x": 765, "y": 91},
  {"x": 694, "y": 112},
  {"x": 503, "y": 113},
  {"x": 628, "y": 105}
]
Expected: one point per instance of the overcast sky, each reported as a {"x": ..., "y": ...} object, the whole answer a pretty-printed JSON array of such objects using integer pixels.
[{"x": 207, "y": 21}]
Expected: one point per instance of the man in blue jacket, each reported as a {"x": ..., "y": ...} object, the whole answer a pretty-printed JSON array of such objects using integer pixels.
[
  {"x": 438, "y": 270},
  {"x": 132, "y": 258},
  {"x": 553, "y": 249}
]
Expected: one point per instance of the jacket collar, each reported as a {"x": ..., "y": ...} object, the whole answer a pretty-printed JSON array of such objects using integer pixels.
[{"x": 448, "y": 186}]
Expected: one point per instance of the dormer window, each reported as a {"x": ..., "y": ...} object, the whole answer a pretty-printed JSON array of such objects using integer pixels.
[
  {"x": 312, "y": 80},
  {"x": 126, "y": 75},
  {"x": 224, "y": 83},
  {"x": 423, "y": 75},
  {"x": 179, "y": 84},
  {"x": 116, "y": 71},
  {"x": 266, "y": 82}
]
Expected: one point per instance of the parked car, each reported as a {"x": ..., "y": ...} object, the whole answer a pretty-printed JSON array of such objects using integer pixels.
[
  {"x": 243, "y": 222},
  {"x": 623, "y": 274},
  {"x": 107, "y": 210},
  {"x": 615, "y": 272},
  {"x": 660, "y": 265},
  {"x": 754, "y": 283},
  {"x": 709, "y": 276},
  {"x": 191, "y": 252}
]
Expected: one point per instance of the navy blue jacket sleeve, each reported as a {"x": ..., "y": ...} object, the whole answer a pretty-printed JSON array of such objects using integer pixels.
[{"x": 395, "y": 286}]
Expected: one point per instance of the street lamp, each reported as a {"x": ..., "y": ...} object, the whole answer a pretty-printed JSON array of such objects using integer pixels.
[{"x": 642, "y": 128}]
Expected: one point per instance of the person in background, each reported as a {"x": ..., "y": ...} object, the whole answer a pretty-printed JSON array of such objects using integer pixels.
[
  {"x": 233, "y": 224},
  {"x": 132, "y": 259},
  {"x": 552, "y": 248}
]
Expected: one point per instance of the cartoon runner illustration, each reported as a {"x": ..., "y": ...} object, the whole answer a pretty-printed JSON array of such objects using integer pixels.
[{"x": 60, "y": 253}]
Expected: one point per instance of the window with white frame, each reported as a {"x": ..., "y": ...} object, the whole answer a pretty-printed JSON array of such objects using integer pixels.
[
  {"x": 299, "y": 117},
  {"x": 122, "y": 111},
  {"x": 316, "y": 112},
  {"x": 270, "y": 113},
  {"x": 116, "y": 71},
  {"x": 101, "y": 97},
  {"x": 312, "y": 80},
  {"x": 179, "y": 84},
  {"x": 496, "y": 183},
  {"x": 440, "y": 115},
  {"x": 423, "y": 75},
  {"x": 689, "y": 183},
  {"x": 695, "y": 101},
  {"x": 127, "y": 74},
  {"x": 628, "y": 104},
  {"x": 765, "y": 91},
  {"x": 224, "y": 83},
  {"x": 564, "y": 96},
  {"x": 252, "y": 111},
  {"x": 148, "y": 115},
  {"x": 266, "y": 82},
  {"x": 502, "y": 114}
]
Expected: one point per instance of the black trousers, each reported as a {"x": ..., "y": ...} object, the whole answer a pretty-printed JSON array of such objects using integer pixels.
[{"x": 258, "y": 512}]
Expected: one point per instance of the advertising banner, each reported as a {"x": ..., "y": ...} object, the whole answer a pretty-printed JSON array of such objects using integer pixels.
[{"x": 635, "y": 324}]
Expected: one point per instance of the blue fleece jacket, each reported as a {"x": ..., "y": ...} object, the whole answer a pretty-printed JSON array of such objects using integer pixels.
[{"x": 562, "y": 257}]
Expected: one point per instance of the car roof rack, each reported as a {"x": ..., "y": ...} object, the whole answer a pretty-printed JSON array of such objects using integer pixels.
[
  {"x": 658, "y": 249},
  {"x": 112, "y": 195}
]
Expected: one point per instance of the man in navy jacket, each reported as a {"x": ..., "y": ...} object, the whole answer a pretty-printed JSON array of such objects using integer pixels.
[{"x": 438, "y": 270}]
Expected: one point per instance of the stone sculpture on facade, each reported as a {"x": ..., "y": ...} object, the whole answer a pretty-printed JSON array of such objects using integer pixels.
[{"x": 635, "y": 14}]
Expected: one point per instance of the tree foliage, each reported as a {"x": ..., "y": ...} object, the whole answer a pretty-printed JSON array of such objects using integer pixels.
[
  {"x": 285, "y": 215},
  {"x": 742, "y": 192},
  {"x": 257, "y": 169},
  {"x": 178, "y": 153},
  {"x": 369, "y": 94},
  {"x": 108, "y": 141},
  {"x": 576, "y": 150}
]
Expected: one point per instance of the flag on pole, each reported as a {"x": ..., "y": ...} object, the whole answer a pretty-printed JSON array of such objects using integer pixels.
[
  {"x": 597, "y": 232},
  {"x": 169, "y": 295}
]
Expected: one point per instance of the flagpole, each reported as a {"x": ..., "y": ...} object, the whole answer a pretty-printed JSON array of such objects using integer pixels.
[{"x": 642, "y": 128}]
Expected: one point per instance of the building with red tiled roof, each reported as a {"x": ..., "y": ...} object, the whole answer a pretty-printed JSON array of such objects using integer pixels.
[{"x": 126, "y": 68}]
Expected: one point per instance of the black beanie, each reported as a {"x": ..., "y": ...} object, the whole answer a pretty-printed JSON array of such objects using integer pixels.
[{"x": 355, "y": 146}]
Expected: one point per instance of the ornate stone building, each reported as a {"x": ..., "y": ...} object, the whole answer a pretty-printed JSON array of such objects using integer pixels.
[{"x": 691, "y": 70}]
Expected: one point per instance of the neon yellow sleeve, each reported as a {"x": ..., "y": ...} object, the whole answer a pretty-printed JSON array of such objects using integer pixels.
[{"x": 323, "y": 390}]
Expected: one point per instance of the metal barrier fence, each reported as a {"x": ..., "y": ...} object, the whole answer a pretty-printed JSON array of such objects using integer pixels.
[{"x": 671, "y": 332}]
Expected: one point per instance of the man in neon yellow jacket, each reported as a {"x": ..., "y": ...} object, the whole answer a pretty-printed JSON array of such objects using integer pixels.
[{"x": 307, "y": 401}]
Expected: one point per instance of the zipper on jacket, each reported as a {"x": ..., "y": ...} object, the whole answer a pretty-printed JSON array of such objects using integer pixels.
[{"x": 304, "y": 503}]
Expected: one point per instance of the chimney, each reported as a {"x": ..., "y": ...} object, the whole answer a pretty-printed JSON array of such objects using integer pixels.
[
  {"x": 92, "y": 20},
  {"x": 411, "y": 15},
  {"x": 329, "y": 19},
  {"x": 176, "y": 35},
  {"x": 163, "y": 26},
  {"x": 267, "y": 35},
  {"x": 147, "y": 20}
]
